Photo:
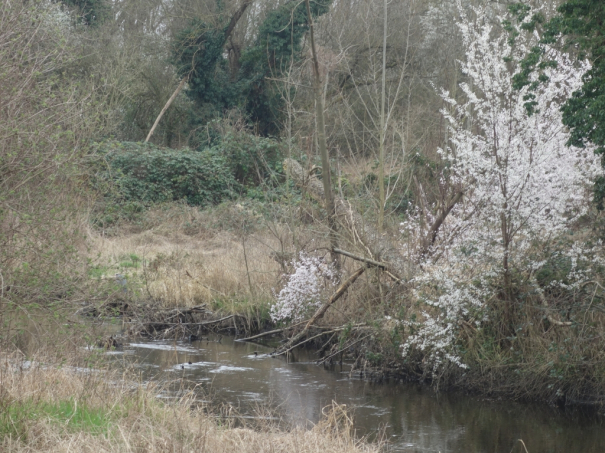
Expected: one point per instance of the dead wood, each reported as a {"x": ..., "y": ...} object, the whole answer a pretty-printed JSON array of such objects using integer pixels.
[
  {"x": 361, "y": 234},
  {"x": 342, "y": 350},
  {"x": 551, "y": 318},
  {"x": 319, "y": 313},
  {"x": 232, "y": 23},
  {"x": 362, "y": 259},
  {"x": 271, "y": 332},
  {"x": 306, "y": 340},
  {"x": 333, "y": 332},
  {"x": 203, "y": 323},
  {"x": 172, "y": 98}
]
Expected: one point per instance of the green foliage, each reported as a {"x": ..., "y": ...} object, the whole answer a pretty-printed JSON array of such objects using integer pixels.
[
  {"x": 144, "y": 173},
  {"x": 251, "y": 159},
  {"x": 279, "y": 41},
  {"x": 198, "y": 52},
  {"x": 75, "y": 416},
  {"x": 93, "y": 12},
  {"x": 130, "y": 261},
  {"x": 579, "y": 27},
  {"x": 556, "y": 269}
]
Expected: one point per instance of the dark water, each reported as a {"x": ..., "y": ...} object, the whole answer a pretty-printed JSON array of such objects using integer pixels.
[{"x": 411, "y": 417}]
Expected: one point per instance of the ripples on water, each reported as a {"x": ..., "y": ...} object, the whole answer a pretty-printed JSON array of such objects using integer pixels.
[{"x": 413, "y": 418}]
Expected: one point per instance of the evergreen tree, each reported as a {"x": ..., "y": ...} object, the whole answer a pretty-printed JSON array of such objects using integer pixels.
[
  {"x": 93, "y": 12},
  {"x": 579, "y": 27},
  {"x": 198, "y": 51}
]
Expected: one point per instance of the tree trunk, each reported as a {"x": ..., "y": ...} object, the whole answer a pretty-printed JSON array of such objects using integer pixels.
[
  {"x": 321, "y": 141},
  {"x": 172, "y": 98},
  {"x": 364, "y": 237},
  {"x": 382, "y": 200}
]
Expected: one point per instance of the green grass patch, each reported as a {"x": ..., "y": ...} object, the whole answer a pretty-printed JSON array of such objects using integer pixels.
[
  {"x": 130, "y": 261},
  {"x": 98, "y": 271},
  {"x": 71, "y": 414}
]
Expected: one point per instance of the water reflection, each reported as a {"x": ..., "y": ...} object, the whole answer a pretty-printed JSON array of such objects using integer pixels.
[{"x": 414, "y": 418}]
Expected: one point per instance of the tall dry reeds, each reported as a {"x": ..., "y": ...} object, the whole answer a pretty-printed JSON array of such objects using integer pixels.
[{"x": 50, "y": 409}]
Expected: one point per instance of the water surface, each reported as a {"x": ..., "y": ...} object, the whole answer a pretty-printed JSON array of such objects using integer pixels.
[{"x": 411, "y": 417}]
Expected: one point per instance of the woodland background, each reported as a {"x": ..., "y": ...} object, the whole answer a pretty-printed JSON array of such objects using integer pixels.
[{"x": 467, "y": 160}]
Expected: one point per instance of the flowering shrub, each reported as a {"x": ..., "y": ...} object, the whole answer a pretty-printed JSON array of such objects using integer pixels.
[
  {"x": 522, "y": 186},
  {"x": 304, "y": 289}
]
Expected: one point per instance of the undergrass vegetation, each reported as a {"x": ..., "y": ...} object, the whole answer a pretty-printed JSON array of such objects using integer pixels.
[
  {"x": 47, "y": 407},
  {"x": 70, "y": 414}
]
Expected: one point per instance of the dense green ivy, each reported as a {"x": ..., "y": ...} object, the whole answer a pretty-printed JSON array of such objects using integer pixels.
[
  {"x": 579, "y": 27},
  {"x": 252, "y": 160},
  {"x": 148, "y": 174},
  {"x": 198, "y": 51},
  {"x": 92, "y": 12}
]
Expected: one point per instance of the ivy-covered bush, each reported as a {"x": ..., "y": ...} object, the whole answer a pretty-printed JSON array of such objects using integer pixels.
[
  {"x": 147, "y": 174},
  {"x": 217, "y": 85},
  {"x": 253, "y": 160}
]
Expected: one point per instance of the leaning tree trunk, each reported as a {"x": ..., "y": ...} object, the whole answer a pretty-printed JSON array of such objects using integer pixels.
[
  {"x": 363, "y": 235},
  {"x": 321, "y": 141}
]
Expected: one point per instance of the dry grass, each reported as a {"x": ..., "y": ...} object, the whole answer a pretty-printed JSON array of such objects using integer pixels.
[
  {"x": 133, "y": 420},
  {"x": 183, "y": 270},
  {"x": 181, "y": 260},
  {"x": 223, "y": 257}
]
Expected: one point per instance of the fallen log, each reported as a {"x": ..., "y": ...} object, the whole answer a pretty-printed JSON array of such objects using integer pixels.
[
  {"x": 204, "y": 323},
  {"x": 285, "y": 351},
  {"x": 333, "y": 332},
  {"x": 271, "y": 332}
]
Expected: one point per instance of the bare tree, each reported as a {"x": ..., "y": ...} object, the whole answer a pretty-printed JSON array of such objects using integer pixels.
[{"x": 321, "y": 137}]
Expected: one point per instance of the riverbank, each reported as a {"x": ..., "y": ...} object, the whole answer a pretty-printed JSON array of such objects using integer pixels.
[
  {"x": 234, "y": 259},
  {"x": 60, "y": 407}
]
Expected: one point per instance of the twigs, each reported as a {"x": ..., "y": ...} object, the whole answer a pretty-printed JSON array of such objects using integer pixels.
[
  {"x": 342, "y": 350},
  {"x": 333, "y": 332},
  {"x": 305, "y": 341},
  {"x": 361, "y": 258},
  {"x": 382, "y": 266},
  {"x": 319, "y": 313},
  {"x": 553, "y": 321},
  {"x": 271, "y": 332},
  {"x": 204, "y": 323},
  {"x": 522, "y": 443}
]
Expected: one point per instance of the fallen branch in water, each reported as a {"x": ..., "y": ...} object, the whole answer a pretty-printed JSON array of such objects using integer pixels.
[
  {"x": 342, "y": 350},
  {"x": 319, "y": 313},
  {"x": 271, "y": 332},
  {"x": 189, "y": 323},
  {"x": 333, "y": 331},
  {"x": 305, "y": 341}
]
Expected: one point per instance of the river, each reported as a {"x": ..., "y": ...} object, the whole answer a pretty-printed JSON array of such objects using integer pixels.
[{"x": 246, "y": 380}]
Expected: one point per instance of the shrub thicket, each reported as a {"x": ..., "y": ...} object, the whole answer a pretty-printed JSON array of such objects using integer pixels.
[
  {"x": 148, "y": 174},
  {"x": 47, "y": 115}
]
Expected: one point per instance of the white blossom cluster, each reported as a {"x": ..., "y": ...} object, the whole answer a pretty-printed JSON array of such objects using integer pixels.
[
  {"x": 448, "y": 305},
  {"x": 521, "y": 184},
  {"x": 55, "y": 16},
  {"x": 304, "y": 289}
]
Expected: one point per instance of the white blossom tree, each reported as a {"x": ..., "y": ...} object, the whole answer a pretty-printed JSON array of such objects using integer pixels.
[
  {"x": 304, "y": 289},
  {"x": 521, "y": 183}
]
